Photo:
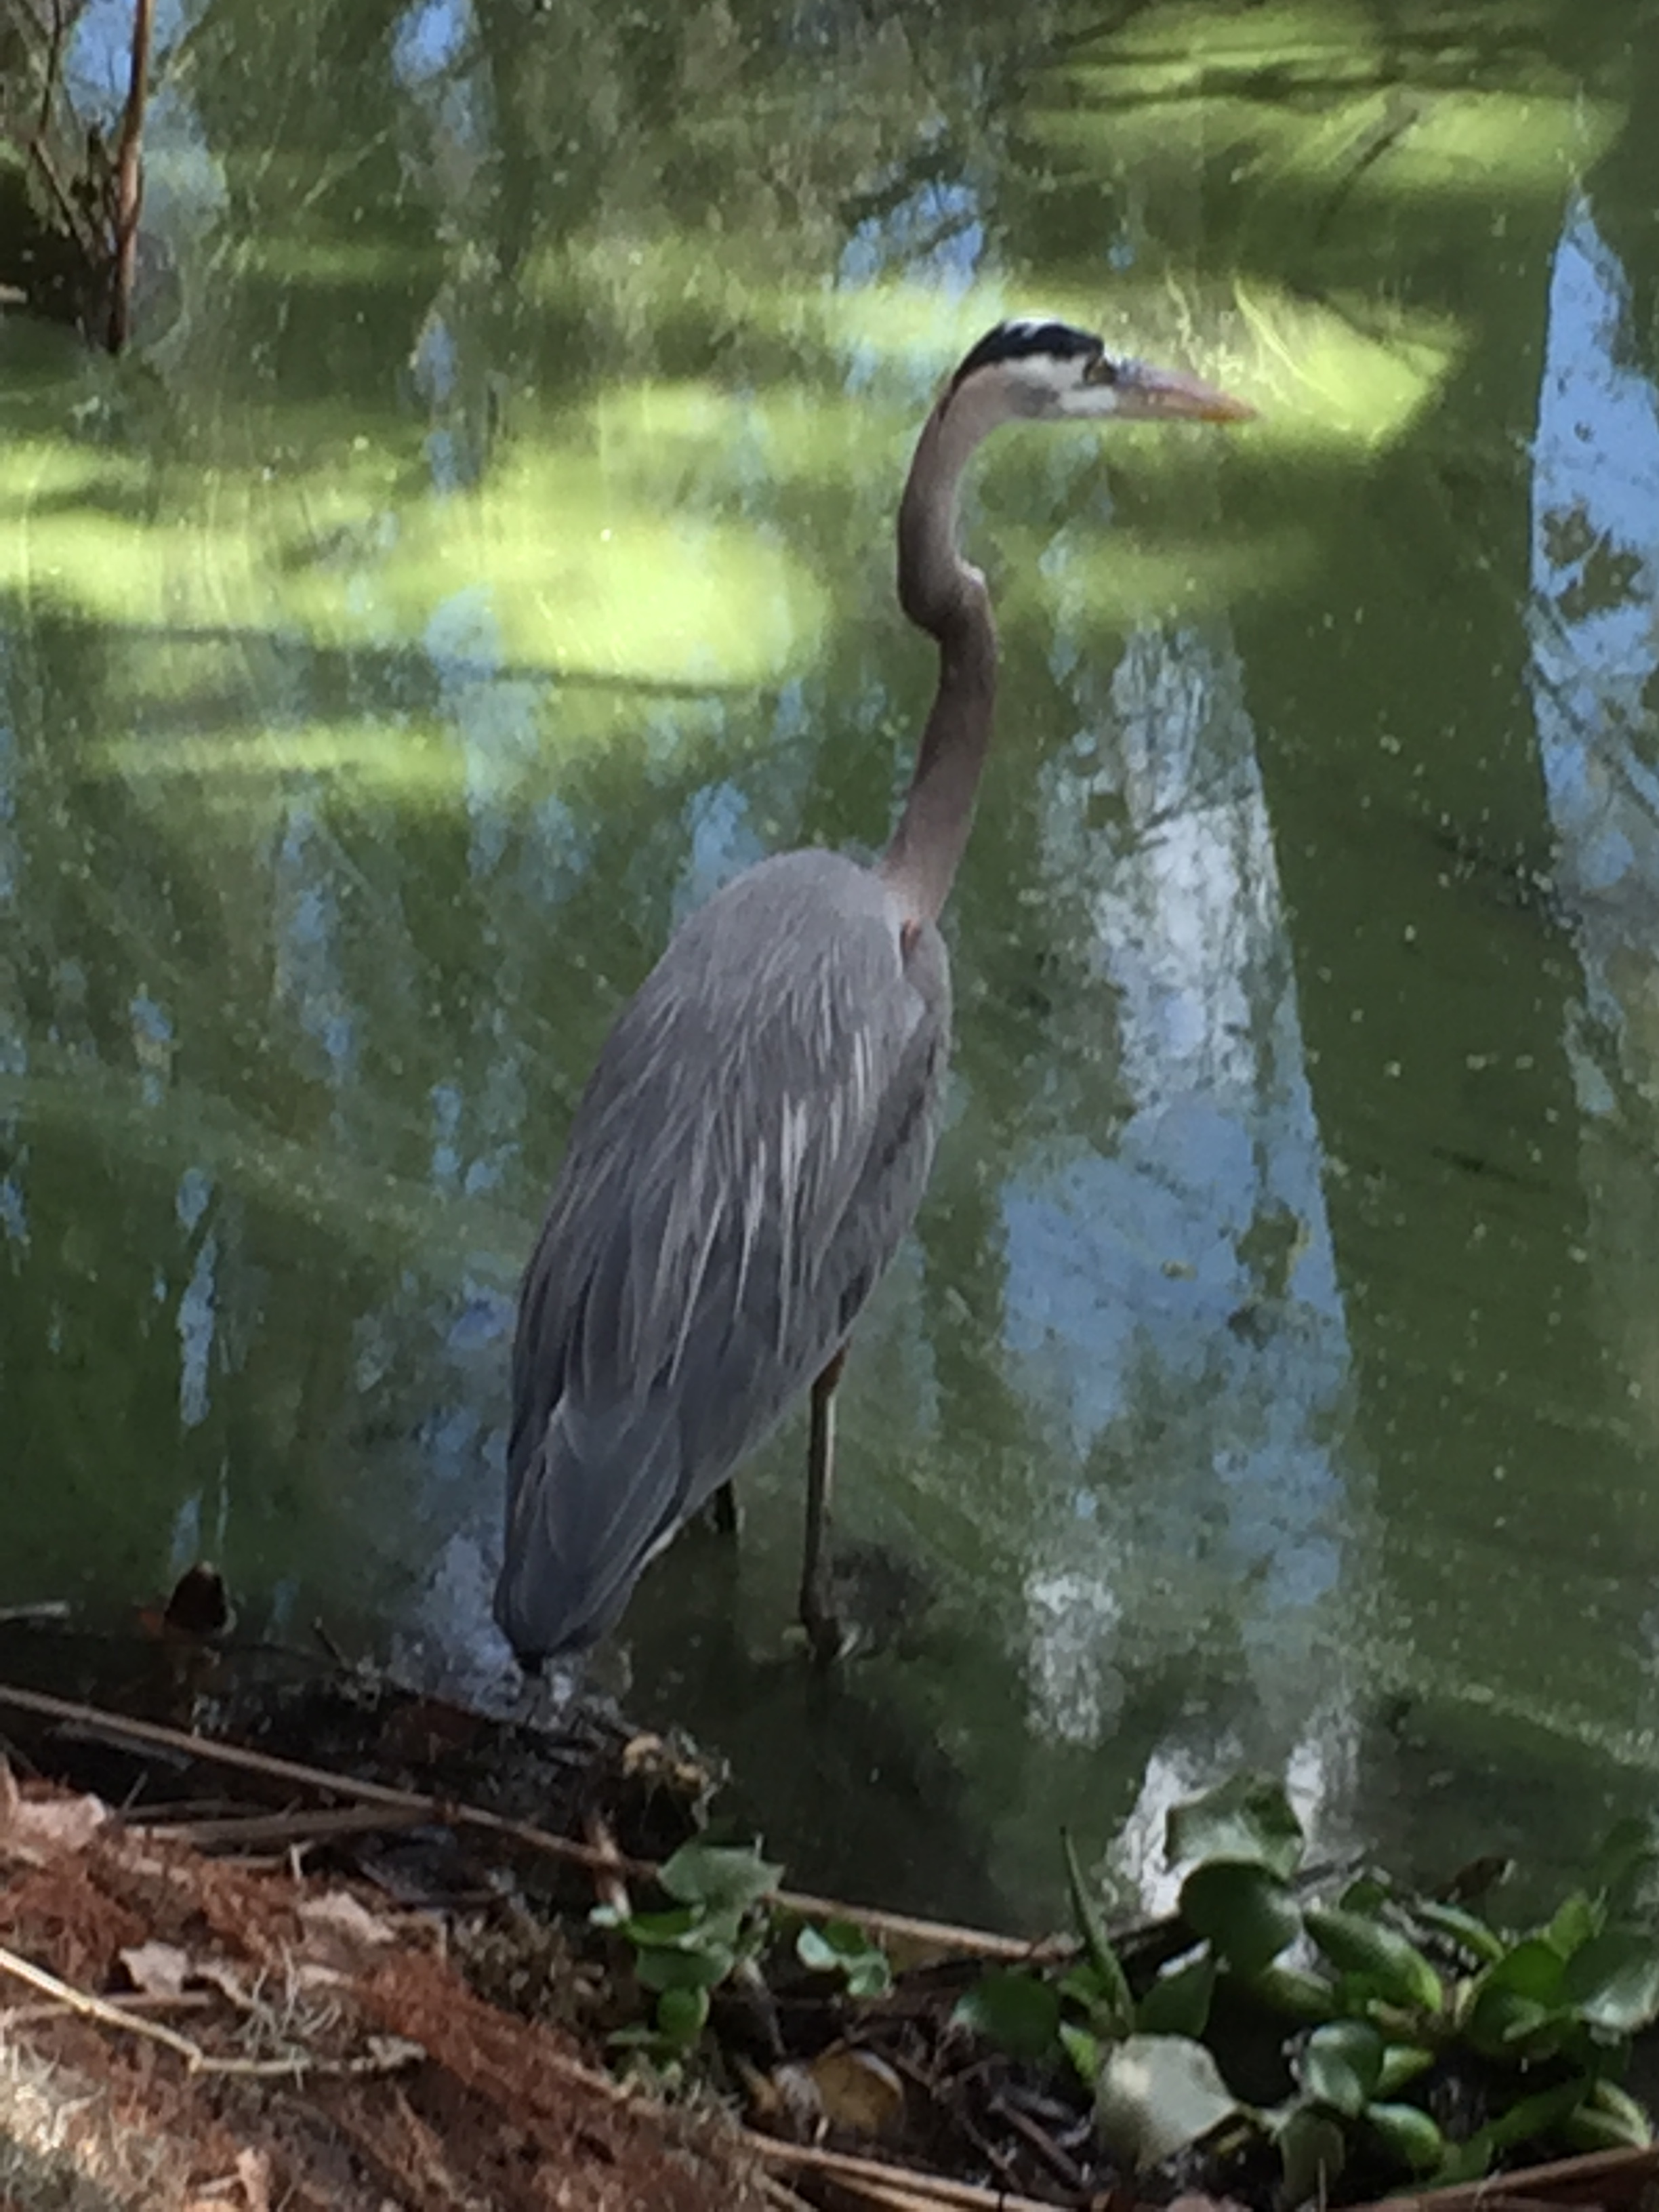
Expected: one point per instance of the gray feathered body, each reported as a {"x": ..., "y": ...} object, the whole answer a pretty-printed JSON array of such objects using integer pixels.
[{"x": 749, "y": 1151}]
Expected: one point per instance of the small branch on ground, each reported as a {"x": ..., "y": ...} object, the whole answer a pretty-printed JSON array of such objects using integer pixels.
[{"x": 296, "y": 2066}]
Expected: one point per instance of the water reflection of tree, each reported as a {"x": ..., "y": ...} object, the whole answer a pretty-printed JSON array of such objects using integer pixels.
[{"x": 1595, "y": 580}]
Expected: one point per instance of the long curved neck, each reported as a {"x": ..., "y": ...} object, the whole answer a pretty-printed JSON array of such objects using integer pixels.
[{"x": 942, "y": 595}]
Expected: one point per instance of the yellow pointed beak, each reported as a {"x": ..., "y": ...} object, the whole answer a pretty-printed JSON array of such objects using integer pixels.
[{"x": 1168, "y": 395}]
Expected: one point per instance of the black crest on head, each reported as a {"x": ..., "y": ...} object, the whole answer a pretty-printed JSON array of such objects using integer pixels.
[{"x": 1025, "y": 334}]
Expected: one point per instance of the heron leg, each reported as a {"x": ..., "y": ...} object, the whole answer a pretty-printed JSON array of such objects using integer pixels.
[
  {"x": 724, "y": 1512},
  {"x": 816, "y": 1613}
]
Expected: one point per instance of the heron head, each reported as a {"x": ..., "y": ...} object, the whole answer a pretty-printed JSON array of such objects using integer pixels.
[{"x": 1046, "y": 370}]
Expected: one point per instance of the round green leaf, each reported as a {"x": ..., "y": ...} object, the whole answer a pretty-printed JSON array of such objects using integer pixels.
[
  {"x": 1157, "y": 2094},
  {"x": 1531, "y": 1969},
  {"x": 715, "y": 1876},
  {"x": 1247, "y": 1912},
  {"x": 682, "y": 1969},
  {"x": 1247, "y": 1819},
  {"x": 646, "y": 1929},
  {"x": 680, "y": 2015},
  {"x": 1410, "y": 2136},
  {"x": 841, "y": 1947},
  {"x": 1625, "y": 1864},
  {"x": 1341, "y": 2065},
  {"x": 1612, "y": 1980},
  {"x": 1019, "y": 2013},
  {"x": 1576, "y": 1921}
]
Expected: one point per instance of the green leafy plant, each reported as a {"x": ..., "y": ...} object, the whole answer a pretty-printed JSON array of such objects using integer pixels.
[
  {"x": 841, "y": 1947},
  {"x": 714, "y": 1926},
  {"x": 1374, "y": 1994}
]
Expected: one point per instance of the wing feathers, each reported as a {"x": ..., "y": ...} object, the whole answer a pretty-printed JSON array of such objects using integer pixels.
[{"x": 749, "y": 1152}]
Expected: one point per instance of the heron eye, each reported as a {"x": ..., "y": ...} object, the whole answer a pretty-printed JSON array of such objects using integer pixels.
[{"x": 1103, "y": 369}]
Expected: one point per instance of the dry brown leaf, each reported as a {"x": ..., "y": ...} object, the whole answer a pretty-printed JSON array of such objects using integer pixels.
[
  {"x": 40, "y": 1829},
  {"x": 253, "y": 2171},
  {"x": 786, "y": 2102},
  {"x": 248, "y": 2189},
  {"x": 338, "y": 1930},
  {"x": 858, "y": 2090},
  {"x": 340, "y": 1914},
  {"x": 159, "y": 1969}
]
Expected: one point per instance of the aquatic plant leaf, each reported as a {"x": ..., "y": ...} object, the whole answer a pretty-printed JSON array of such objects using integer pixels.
[
  {"x": 1114, "y": 2006},
  {"x": 715, "y": 1874},
  {"x": 1313, "y": 2150},
  {"x": 1532, "y": 1968},
  {"x": 1366, "y": 1894},
  {"x": 1085, "y": 2050},
  {"x": 1573, "y": 1924},
  {"x": 842, "y": 1947},
  {"x": 1178, "y": 2002},
  {"x": 1625, "y": 1865},
  {"x": 1288, "y": 1990},
  {"x": 1402, "y": 2062},
  {"x": 1618, "y": 2111},
  {"x": 1502, "y": 2021},
  {"x": 1157, "y": 2094},
  {"x": 1393, "y": 1966},
  {"x": 1539, "y": 2115},
  {"x": 1246, "y": 1911},
  {"x": 1612, "y": 1981},
  {"x": 1518, "y": 1998},
  {"x": 1408, "y": 2135},
  {"x": 682, "y": 2011},
  {"x": 1589, "y": 2130},
  {"x": 1341, "y": 2065},
  {"x": 1019, "y": 2013},
  {"x": 683, "y": 1970},
  {"x": 1456, "y": 1924},
  {"x": 1247, "y": 1818},
  {"x": 647, "y": 1928}
]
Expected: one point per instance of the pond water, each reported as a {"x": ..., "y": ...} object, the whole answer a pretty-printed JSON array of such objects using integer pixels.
[{"x": 489, "y": 552}]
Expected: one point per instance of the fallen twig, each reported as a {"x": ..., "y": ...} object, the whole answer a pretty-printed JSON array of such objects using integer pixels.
[
  {"x": 903, "y": 2183},
  {"x": 278, "y": 1832},
  {"x": 411, "y": 1805},
  {"x": 140, "y": 2001},
  {"x": 1581, "y": 2180},
  {"x": 296, "y": 2067}
]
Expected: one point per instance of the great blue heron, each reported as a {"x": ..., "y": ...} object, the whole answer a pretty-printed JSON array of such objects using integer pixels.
[{"x": 755, "y": 1139}]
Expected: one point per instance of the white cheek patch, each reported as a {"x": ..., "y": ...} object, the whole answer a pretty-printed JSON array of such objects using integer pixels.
[{"x": 1046, "y": 373}]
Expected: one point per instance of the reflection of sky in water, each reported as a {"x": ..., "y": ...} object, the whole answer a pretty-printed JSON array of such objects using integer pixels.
[
  {"x": 307, "y": 927},
  {"x": 1595, "y": 652},
  {"x": 1175, "y": 1292},
  {"x": 430, "y": 39},
  {"x": 496, "y": 718},
  {"x": 934, "y": 235},
  {"x": 1595, "y": 631}
]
